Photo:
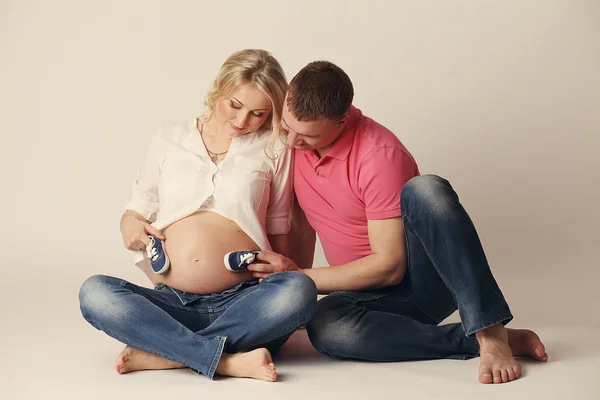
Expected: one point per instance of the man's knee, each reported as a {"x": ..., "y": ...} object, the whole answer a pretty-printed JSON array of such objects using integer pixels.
[
  {"x": 332, "y": 330},
  {"x": 425, "y": 186},
  {"x": 430, "y": 191}
]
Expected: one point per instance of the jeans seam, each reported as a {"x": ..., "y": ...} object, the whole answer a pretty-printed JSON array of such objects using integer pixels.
[
  {"x": 216, "y": 357},
  {"x": 440, "y": 274},
  {"x": 201, "y": 338},
  {"x": 137, "y": 346},
  {"x": 435, "y": 319},
  {"x": 433, "y": 262},
  {"x": 356, "y": 300}
]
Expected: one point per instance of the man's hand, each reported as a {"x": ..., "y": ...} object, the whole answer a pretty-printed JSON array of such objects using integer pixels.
[{"x": 272, "y": 263}]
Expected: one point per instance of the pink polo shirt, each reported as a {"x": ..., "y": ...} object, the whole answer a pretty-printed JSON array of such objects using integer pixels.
[{"x": 360, "y": 179}]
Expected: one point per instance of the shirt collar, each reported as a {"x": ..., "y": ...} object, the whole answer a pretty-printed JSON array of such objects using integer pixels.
[
  {"x": 193, "y": 141},
  {"x": 342, "y": 145}
]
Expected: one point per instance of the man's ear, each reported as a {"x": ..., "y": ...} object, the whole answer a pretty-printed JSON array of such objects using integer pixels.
[{"x": 343, "y": 121}]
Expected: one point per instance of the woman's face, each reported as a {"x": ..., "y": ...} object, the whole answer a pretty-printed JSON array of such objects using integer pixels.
[{"x": 244, "y": 111}]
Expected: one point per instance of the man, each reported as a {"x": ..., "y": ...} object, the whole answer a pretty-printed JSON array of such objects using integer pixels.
[{"x": 404, "y": 252}]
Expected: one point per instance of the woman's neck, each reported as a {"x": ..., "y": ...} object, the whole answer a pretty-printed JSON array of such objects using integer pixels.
[
  {"x": 212, "y": 131},
  {"x": 215, "y": 142}
]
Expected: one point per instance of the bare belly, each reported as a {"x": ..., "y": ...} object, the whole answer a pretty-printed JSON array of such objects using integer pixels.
[{"x": 196, "y": 246}]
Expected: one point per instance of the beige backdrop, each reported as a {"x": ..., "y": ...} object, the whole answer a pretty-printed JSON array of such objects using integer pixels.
[{"x": 500, "y": 97}]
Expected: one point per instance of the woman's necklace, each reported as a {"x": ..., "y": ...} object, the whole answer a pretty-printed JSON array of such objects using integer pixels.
[{"x": 213, "y": 156}]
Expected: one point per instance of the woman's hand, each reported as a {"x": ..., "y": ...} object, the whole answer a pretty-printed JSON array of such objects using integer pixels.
[{"x": 135, "y": 230}]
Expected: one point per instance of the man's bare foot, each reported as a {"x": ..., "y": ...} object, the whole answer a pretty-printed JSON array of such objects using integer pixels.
[
  {"x": 525, "y": 343},
  {"x": 496, "y": 364},
  {"x": 255, "y": 364},
  {"x": 497, "y": 347},
  {"x": 132, "y": 359}
]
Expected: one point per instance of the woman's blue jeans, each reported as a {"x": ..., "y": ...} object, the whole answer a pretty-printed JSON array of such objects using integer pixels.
[{"x": 193, "y": 329}]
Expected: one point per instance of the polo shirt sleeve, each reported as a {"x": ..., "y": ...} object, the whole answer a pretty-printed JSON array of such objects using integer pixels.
[
  {"x": 280, "y": 199},
  {"x": 383, "y": 173},
  {"x": 144, "y": 191}
]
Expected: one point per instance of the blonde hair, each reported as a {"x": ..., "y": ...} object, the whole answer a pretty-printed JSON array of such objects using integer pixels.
[{"x": 256, "y": 67}]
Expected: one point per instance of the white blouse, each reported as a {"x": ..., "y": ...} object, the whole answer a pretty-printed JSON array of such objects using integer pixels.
[{"x": 178, "y": 177}]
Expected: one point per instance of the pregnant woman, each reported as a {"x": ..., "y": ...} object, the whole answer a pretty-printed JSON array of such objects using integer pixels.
[{"x": 209, "y": 186}]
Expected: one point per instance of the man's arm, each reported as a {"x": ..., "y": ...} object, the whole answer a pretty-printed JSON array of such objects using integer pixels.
[
  {"x": 384, "y": 172},
  {"x": 384, "y": 267},
  {"x": 302, "y": 238}
]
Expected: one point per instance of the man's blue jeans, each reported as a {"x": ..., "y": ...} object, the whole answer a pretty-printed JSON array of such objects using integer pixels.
[
  {"x": 193, "y": 329},
  {"x": 446, "y": 269}
]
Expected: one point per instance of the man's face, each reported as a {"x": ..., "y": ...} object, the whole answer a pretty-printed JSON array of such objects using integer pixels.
[{"x": 311, "y": 135}]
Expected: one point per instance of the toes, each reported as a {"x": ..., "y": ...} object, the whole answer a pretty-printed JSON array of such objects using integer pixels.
[
  {"x": 271, "y": 376},
  {"x": 504, "y": 374},
  {"x": 538, "y": 349},
  {"x": 517, "y": 371},
  {"x": 497, "y": 377},
  {"x": 540, "y": 353},
  {"x": 271, "y": 372},
  {"x": 511, "y": 375},
  {"x": 485, "y": 377},
  {"x": 119, "y": 364}
]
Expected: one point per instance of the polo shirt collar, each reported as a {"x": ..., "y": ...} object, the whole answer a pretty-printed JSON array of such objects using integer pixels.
[{"x": 342, "y": 145}]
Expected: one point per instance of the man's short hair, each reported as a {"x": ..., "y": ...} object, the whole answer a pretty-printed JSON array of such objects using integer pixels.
[{"x": 320, "y": 90}]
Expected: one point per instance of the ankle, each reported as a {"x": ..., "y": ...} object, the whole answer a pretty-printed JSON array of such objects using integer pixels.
[
  {"x": 223, "y": 365},
  {"x": 492, "y": 333}
]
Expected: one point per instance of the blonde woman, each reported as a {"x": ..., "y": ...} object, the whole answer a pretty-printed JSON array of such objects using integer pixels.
[{"x": 209, "y": 186}]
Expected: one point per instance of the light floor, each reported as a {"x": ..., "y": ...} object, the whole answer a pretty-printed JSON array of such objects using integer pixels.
[{"x": 48, "y": 351}]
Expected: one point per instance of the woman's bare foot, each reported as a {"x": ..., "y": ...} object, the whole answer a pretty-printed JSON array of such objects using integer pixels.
[
  {"x": 497, "y": 347},
  {"x": 132, "y": 359},
  {"x": 255, "y": 364}
]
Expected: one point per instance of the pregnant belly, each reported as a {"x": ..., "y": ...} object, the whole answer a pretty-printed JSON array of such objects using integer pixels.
[{"x": 196, "y": 246}]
